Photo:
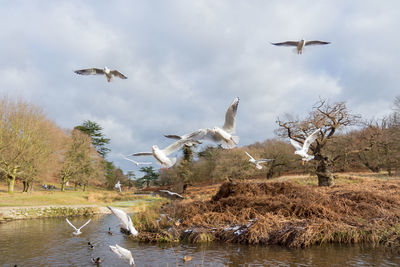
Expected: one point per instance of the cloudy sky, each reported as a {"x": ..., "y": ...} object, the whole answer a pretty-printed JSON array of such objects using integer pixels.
[{"x": 187, "y": 60}]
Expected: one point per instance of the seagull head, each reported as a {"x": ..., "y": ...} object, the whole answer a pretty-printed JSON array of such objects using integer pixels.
[
  {"x": 155, "y": 147},
  {"x": 106, "y": 70}
]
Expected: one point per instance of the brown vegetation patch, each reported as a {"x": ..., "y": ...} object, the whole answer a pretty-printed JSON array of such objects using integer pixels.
[{"x": 293, "y": 215}]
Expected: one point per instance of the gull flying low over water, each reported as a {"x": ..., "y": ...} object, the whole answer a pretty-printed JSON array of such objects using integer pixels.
[
  {"x": 300, "y": 44},
  {"x": 106, "y": 71},
  {"x": 258, "y": 161},
  {"x": 302, "y": 150},
  {"x": 126, "y": 222},
  {"x": 77, "y": 230},
  {"x": 123, "y": 253},
  {"x": 137, "y": 162},
  {"x": 161, "y": 155},
  {"x": 218, "y": 135}
]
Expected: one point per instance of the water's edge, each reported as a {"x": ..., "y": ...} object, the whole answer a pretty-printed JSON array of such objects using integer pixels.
[{"x": 21, "y": 213}]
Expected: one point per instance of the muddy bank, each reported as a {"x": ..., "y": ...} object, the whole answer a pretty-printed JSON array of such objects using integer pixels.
[
  {"x": 19, "y": 213},
  {"x": 287, "y": 214}
]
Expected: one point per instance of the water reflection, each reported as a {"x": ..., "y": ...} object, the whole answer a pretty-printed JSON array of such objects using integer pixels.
[{"x": 50, "y": 242}]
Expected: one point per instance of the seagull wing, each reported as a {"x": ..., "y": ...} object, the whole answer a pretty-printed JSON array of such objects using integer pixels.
[
  {"x": 131, "y": 228},
  {"x": 71, "y": 224},
  {"x": 249, "y": 155},
  {"x": 121, "y": 215},
  {"x": 316, "y": 43},
  {"x": 126, "y": 254},
  {"x": 142, "y": 154},
  {"x": 288, "y": 43},
  {"x": 136, "y": 162},
  {"x": 116, "y": 251},
  {"x": 175, "y": 146},
  {"x": 118, "y": 74},
  {"x": 296, "y": 144},
  {"x": 173, "y": 136},
  {"x": 131, "y": 160},
  {"x": 85, "y": 224},
  {"x": 91, "y": 71},
  {"x": 310, "y": 139},
  {"x": 263, "y": 160},
  {"x": 230, "y": 117}
]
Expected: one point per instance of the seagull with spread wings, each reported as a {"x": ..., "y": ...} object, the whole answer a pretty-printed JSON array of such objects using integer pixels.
[
  {"x": 161, "y": 155},
  {"x": 301, "y": 44},
  {"x": 123, "y": 253},
  {"x": 105, "y": 71},
  {"x": 257, "y": 161},
  {"x": 218, "y": 135},
  {"x": 302, "y": 150},
  {"x": 77, "y": 230}
]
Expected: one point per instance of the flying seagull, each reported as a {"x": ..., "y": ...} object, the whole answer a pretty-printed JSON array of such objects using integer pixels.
[
  {"x": 123, "y": 253},
  {"x": 258, "y": 161},
  {"x": 126, "y": 222},
  {"x": 169, "y": 194},
  {"x": 137, "y": 162},
  {"x": 300, "y": 44},
  {"x": 302, "y": 150},
  {"x": 106, "y": 71},
  {"x": 77, "y": 230},
  {"x": 161, "y": 155},
  {"x": 219, "y": 135},
  {"x": 118, "y": 186}
]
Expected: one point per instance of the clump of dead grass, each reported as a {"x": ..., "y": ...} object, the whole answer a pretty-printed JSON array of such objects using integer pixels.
[{"x": 293, "y": 215}]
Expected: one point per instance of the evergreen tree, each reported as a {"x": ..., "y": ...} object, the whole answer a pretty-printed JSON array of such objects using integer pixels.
[{"x": 93, "y": 129}]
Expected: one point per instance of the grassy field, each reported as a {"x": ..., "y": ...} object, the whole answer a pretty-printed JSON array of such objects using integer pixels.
[{"x": 93, "y": 196}]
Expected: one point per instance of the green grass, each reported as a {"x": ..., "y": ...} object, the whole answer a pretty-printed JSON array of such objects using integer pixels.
[{"x": 93, "y": 196}]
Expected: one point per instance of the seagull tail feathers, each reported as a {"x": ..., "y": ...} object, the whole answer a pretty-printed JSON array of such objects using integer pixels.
[{"x": 172, "y": 162}]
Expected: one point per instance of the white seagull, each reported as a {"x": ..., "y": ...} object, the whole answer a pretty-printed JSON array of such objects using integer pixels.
[
  {"x": 161, "y": 155},
  {"x": 302, "y": 150},
  {"x": 136, "y": 162},
  {"x": 118, "y": 186},
  {"x": 123, "y": 253},
  {"x": 77, "y": 230},
  {"x": 106, "y": 71},
  {"x": 126, "y": 222},
  {"x": 258, "y": 161},
  {"x": 170, "y": 195},
  {"x": 219, "y": 135},
  {"x": 300, "y": 44}
]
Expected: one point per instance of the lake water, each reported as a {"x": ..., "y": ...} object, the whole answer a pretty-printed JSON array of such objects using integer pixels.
[{"x": 50, "y": 242}]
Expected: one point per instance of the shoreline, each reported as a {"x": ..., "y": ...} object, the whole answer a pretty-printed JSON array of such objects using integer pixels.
[{"x": 47, "y": 211}]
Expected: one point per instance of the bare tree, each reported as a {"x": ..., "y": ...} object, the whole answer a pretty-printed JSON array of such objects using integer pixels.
[{"x": 329, "y": 118}]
